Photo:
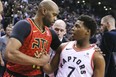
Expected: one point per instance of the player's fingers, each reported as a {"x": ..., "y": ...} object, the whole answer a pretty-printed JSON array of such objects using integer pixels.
[
  {"x": 97, "y": 48},
  {"x": 45, "y": 52},
  {"x": 37, "y": 52},
  {"x": 40, "y": 53}
]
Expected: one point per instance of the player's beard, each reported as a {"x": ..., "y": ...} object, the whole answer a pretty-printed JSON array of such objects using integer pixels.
[{"x": 46, "y": 22}]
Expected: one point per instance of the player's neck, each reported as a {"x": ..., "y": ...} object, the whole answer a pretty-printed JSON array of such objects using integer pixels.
[
  {"x": 82, "y": 44},
  {"x": 38, "y": 23}
]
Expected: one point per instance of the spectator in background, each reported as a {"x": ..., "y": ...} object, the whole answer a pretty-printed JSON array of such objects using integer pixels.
[
  {"x": 98, "y": 36},
  {"x": 60, "y": 28},
  {"x": 2, "y": 32},
  {"x": 25, "y": 1},
  {"x": 108, "y": 44},
  {"x": 3, "y": 42}
]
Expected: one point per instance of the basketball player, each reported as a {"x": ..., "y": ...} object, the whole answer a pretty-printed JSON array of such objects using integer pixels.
[
  {"x": 29, "y": 38},
  {"x": 78, "y": 58},
  {"x": 59, "y": 27}
]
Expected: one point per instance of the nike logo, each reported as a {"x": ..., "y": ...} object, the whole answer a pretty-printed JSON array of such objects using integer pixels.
[
  {"x": 68, "y": 48},
  {"x": 35, "y": 31}
]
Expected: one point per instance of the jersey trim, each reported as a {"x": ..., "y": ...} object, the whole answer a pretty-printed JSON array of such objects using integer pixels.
[
  {"x": 32, "y": 22},
  {"x": 92, "y": 63}
]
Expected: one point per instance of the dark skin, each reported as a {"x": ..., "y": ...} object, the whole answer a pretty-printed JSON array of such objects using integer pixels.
[
  {"x": 45, "y": 8},
  {"x": 82, "y": 42}
]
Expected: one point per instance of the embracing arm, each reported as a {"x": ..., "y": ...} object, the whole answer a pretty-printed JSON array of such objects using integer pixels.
[
  {"x": 50, "y": 68},
  {"x": 99, "y": 65},
  {"x": 20, "y": 31},
  {"x": 13, "y": 54}
]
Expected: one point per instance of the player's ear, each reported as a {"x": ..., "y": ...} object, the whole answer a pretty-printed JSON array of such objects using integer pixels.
[
  {"x": 88, "y": 31},
  {"x": 108, "y": 24},
  {"x": 43, "y": 11}
]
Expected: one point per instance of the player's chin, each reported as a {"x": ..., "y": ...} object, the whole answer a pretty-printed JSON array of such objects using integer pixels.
[{"x": 51, "y": 24}]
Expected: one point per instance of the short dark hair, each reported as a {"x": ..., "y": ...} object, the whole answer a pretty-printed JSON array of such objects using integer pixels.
[{"x": 89, "y": 22}]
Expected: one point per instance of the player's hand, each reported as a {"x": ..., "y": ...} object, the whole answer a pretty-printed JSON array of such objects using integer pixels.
[
  {"x": 37, "y": 54},
  {"x": 45, "y": 58},
  {"x": 97, "y": 49},
  {"x": 43, "y": 55}
]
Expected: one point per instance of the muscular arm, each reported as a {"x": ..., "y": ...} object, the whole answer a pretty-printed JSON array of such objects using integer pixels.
[
  {"x": 13, "y": 54},
  {"x": 99, "y": 65},
  {"x": 50, "y": 68},
  {"x": 56, "y": 46}
]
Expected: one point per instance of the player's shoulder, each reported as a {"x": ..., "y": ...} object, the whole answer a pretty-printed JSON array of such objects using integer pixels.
[
  {"x": 98, "y": 60},
  {"x": 63, "y": 45},
  {"x": 23, "y": 22},
  {"x": 98, "y": 56}
]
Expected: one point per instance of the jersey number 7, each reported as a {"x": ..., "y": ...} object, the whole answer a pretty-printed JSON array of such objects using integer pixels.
[{"x": 72, "y": 69}]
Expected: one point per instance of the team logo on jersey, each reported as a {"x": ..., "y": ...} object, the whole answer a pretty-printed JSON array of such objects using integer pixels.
[
  {"x": 73, "y": 60},
  {"x": 39, "y": 43},
  {"x": 35, "y": 30}
]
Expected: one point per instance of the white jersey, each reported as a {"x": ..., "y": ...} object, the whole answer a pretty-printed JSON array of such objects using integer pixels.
[{"x": 75, "y": 63}]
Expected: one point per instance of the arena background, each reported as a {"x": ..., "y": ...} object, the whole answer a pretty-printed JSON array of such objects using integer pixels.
[{"x": 15, "y": 10}]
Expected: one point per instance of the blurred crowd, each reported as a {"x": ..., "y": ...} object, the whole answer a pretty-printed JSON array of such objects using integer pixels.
[{"x": 15, "y": 10}]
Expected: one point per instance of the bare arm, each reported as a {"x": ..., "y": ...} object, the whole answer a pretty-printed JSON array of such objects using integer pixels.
[
  {"x": 50, "y": 68},
  {"x": 14, "y": 55},
  {"x": 99, "y": 65}
]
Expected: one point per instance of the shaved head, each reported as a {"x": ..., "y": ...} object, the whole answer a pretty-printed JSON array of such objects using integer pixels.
[
  {"x": 60, "y": 28},
  {"x": 108, "y": 18},
  {"x": 107, "y": 23},
  {"x": 47, "y": 12},
  {"x": 60, "y": 23},
  {"x": 49, "y": 5}
]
